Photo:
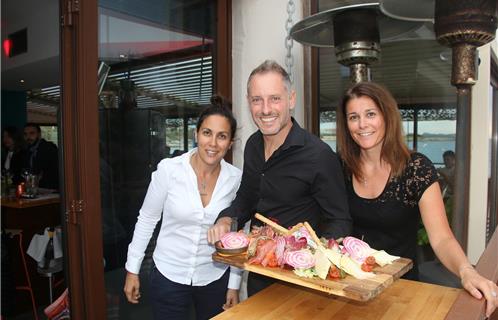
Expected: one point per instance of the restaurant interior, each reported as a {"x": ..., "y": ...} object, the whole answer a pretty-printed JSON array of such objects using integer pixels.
[{"x": 157, "y": 63}]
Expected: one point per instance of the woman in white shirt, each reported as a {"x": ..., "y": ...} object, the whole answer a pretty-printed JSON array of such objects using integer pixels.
[{"x": 188, "y": 192}]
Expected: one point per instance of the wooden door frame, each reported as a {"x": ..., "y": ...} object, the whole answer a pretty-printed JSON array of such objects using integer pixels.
[
  {"x": 223, "y": 55},
  {"x": 80, "y": 153},
  {"x": 79, "y": 132}
]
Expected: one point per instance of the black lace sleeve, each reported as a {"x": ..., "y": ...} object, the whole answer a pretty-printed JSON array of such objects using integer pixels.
[{"x": 420, "y": 175}]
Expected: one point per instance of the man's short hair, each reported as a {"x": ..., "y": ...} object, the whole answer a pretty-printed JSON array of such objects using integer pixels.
[
  {"x": 271, "y": 66},
  {"x": 448, "y": 153},
  {"x": 33, "y": 125}
]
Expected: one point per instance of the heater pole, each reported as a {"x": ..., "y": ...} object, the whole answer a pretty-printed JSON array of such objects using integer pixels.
[{"x": 463, "y": 25}]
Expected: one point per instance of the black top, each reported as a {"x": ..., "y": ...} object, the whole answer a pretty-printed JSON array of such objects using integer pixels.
[
  {"x": 301, "y": 181},
  {"x": 390, "y": 222}
]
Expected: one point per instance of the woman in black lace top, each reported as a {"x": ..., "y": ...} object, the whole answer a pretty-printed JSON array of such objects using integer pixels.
[{"x": 389, "y": 188}]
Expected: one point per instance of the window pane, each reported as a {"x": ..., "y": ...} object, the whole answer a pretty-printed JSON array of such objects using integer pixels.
[
  {"x": 435, "y": 137},
  {"x": 328, "y": 128},
  {"x": 49, "y": 133}
]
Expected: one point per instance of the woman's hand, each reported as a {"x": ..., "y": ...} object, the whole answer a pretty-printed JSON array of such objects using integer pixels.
[
  {"x": 132, "y": 287},
  {"x": 232, "y": 298},
  {"x": 477, "y": 285}
]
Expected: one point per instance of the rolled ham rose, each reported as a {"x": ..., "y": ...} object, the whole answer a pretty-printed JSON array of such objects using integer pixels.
[{"x": 234, "y": 240}]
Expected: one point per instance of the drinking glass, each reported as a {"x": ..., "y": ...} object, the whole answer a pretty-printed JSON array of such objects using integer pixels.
[{"x": 32, "y": 184}]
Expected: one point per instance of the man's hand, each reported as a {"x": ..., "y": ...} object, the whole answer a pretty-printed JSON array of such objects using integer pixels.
[
  {"x": 132, "y": 287},
  {"x": 221, "y": 227}
]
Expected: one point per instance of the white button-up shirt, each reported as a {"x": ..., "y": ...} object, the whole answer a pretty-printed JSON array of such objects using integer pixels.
[{"x": 182, "y": 253}]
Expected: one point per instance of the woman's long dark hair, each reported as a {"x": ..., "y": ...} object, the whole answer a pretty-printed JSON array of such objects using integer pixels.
[{"x": 394, "y": 150}]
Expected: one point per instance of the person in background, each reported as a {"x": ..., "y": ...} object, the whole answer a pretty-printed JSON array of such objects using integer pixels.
[
  {"x": 13, "y": 153},
  {"x": 447, "y": 174},
  {"x": 188, "y": 192},
  {"x": 42, "y": 158},
  {"x": 389, "y": 187},
  {"x": 289, "y": 175}
]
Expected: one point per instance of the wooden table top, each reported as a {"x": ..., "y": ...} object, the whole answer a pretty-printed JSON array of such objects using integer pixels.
[
  {"x": 403, "y": 300},
  {"x": 42, "y": 200}
]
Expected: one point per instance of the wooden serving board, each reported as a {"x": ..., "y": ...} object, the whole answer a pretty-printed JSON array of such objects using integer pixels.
[{"x": 349, "y": 287}]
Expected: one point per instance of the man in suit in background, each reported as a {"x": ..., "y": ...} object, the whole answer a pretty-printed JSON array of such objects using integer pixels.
[{"x": 42, "y": 157}]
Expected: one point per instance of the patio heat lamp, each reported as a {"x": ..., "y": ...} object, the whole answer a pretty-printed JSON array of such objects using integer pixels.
[
  {"x": 462, "y": 25},
  {"x": 355, "y": 29}
]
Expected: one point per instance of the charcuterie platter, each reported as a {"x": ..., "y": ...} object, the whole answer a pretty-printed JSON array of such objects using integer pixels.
[{"x": 351, "y": 270}]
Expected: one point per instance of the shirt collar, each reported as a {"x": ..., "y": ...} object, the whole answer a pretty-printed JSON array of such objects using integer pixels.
[{"x": 295, "y": 137}]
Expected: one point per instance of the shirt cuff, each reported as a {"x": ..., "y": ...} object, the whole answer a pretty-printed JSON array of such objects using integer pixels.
[
  {"x": 235, "y": 278},
  {"x": 133, "y": 264}
]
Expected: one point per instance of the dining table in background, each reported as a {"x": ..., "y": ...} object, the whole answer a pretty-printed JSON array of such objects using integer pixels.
[{"x": 31, "y": 216}]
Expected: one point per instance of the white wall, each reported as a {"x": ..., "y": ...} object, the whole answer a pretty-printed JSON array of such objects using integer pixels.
[
  {"x": 480, "y": 155},
  {"x": 258, "y": 33}
]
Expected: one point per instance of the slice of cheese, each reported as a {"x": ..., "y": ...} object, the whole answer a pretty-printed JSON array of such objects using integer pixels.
[
  {"x": 346, "y": 263},
  {"x": 322, "y": 264},
  {"x": 352, "y": 268},
  {"x": 382, "y": 258}
]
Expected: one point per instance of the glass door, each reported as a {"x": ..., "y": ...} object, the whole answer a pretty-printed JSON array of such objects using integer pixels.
[
  {"x": 157, "y": 72},
  {"x": 156, "y": 63}
]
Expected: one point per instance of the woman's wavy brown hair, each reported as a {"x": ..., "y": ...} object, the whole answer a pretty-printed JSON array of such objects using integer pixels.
[{"x": 394, "y": 150}]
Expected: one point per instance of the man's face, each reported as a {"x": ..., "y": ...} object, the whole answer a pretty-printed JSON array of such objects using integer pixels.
[
  {"x": 270, "y": 103},
  {"x": 31, "y": 135},
  {"x": 7, "y": 140},
  {"x": 449, "y": 161}
]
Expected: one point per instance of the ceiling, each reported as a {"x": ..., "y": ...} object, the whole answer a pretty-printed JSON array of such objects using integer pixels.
[
  {"x": 412, "y": 65},
  {"x": 129, "y": 32},
  {"x": 416, "y": 72}
]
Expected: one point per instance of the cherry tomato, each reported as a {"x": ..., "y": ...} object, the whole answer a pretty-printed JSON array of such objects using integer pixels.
[
  {"x": 370, "y": 261},
  {"x": 334, "y": 272},
  {"x": 366, "y": 267}
]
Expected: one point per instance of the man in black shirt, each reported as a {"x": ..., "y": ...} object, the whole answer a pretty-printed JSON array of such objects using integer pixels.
[
  {"x": 42, "y": 157},
  {"x": 289, "y": 175}
]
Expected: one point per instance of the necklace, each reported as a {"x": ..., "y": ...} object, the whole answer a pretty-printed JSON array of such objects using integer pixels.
[
  {"x": 364, "y": 181},
  {"x": 201, "y": 183},
  {"x": 202, "y": 187}
]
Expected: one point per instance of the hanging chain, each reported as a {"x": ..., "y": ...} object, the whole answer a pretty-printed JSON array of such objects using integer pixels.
[{"x": 289, "y": 59}]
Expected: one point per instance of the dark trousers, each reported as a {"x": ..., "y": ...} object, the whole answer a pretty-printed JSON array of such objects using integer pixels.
[
  {"x": 257, "y": 282},
  {"x": 171, "y": 300}
]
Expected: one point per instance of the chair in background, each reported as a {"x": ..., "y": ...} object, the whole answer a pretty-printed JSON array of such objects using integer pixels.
[
  {"x": 26, "y": 287},
  {"x": 51, "y": 265}
]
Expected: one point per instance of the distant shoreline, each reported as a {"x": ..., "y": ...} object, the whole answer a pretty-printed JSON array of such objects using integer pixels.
[{"x": 421, "y": 138}]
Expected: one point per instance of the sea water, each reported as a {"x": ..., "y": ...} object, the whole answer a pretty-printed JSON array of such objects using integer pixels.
[{"x": 432, "y": 149}]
